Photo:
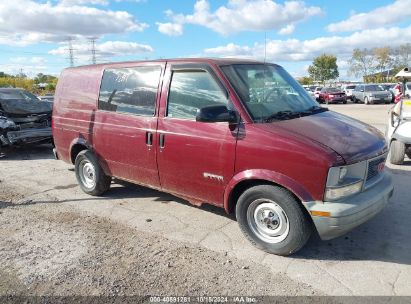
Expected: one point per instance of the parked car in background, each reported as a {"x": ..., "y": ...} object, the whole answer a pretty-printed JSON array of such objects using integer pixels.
[
  {"x": 389, "y": 87},
  {"x": 24, "y": 119},
  {"x": 46, "y": 97},
  {"x": 198, "y": 128},
  {"x": 347, "y": 89},
  {"x": 370, "y": 94},
  {"x": 310, "y": 92},
  {"x": 332, "y": 95},
  {"x": 317, "y": 91},
  {"x": 408, "y": 90}
]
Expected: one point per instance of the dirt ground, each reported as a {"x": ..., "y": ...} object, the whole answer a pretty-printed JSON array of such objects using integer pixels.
[{"x": 47, "y": 248}]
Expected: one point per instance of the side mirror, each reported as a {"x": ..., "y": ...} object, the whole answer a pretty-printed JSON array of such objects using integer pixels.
[
  {"x": 216, "y": 114},
  {"x": 361, "y": 90}
]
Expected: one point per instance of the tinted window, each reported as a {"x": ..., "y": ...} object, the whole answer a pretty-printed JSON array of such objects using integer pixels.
[
  {"x": 130, "y": 90},
  {"x": 192, "y": 90},
  {"x": 371, "y": 88},
  {"x": 332, "y": 90},
  {"x": 17, "y": 94},
  {"x": 350, "y": 87}
]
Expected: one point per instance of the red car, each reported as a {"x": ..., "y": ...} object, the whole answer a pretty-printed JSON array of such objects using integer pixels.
[
  {"x": 241, "y": 135},
  {"x": 332, "y": 95}
]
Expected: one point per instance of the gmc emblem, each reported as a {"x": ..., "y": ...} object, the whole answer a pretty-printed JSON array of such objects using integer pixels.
[{"x": 380, "y": 166}]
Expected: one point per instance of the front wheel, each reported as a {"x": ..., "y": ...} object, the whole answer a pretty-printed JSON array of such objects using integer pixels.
[
  {"x": 273, "y": 220},
  {"x": 366, "y": 101},
  {"x": 397, "y": 152},
  {"x": 90, "y": 175}
]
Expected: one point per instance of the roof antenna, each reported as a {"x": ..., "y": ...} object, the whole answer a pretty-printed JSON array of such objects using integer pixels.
[{"x": 265, "y": 45}]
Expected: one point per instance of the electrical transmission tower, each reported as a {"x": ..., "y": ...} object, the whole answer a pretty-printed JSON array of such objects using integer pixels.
[
  {"x": 71, "y": 51},
  {"x": 93, "y": 50}
]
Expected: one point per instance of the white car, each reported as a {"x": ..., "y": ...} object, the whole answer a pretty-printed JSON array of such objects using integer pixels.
[
  {"x": 399, "y": 125},
  {"x": 347, "y": 89},
  {"x": 317, "y": 92}
]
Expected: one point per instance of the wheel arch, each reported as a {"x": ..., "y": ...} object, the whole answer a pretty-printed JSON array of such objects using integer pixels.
[
  {"x": 249, "y": 178},
  {"x": 76, "y": 146}
]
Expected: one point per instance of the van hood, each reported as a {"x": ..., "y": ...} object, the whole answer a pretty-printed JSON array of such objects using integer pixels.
[{"x": 350, "y": 138}]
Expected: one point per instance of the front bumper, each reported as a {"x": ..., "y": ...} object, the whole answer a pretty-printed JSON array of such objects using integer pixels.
[
  {"x": 380, "y": 99},
  {"x": 351, "y": 212}
]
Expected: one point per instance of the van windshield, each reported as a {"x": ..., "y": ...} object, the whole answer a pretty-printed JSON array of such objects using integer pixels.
[{"x": 269, "y": 92}]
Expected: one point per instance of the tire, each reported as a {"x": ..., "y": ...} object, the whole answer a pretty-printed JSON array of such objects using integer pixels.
[
  {"x": 344, "y": 102},
  {"x": 354, "y": 100},
  {"x": 397, "y": 152},
  {"x": 90, "y": 175},
  {"x": 366, "y": 101},
  {"x": 285, "y": 232}
]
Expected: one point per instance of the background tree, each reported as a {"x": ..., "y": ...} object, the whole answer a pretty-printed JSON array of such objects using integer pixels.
[
  {"x": 324, "y": 67},
  {"x": 305, "y": 80},
  {"x": 362, "y": 63},
  {"x": 403, "y": 56}
]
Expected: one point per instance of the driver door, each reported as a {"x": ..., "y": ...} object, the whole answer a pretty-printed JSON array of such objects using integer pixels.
[{"x": 195, "y": 159}]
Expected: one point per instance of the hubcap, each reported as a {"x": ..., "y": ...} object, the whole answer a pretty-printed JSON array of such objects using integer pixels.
[
  {"x": 87, "y": 174},
  {"x": 268, "y": 220}
]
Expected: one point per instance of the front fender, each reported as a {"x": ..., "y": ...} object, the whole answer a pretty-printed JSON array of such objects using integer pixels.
[{"x": 270, "y": 176}]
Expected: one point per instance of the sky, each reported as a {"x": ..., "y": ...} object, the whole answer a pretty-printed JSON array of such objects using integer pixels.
[{"x": 35, "y": 34}]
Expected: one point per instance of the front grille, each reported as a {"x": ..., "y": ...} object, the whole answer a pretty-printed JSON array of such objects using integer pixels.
[{"x": 373, "y": 168}]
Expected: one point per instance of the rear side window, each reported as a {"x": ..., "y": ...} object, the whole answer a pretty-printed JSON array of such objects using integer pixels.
[
  {"x": 130, "y": 90},
  {"x": 191, "y": 91}
]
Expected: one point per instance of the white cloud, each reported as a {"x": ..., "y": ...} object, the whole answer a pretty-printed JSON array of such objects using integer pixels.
[
  {"x": 104, "y": 51},
  {"x": 303, "y": 50},
  {"x": 82, "y": 2},
  {"x": 24, "y": 22},
  {"x": 232, "y": 49},
  {"x": 247, "y": 15},
  {"x": 29, "y": 60},
  {"x": 287, "y": 30},
  {"x": 170, "y": 29},
  {"x": 390, "y": 14}
]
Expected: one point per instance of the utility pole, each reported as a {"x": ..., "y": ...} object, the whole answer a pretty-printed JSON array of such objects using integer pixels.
[{"x": 93, "y": 50}]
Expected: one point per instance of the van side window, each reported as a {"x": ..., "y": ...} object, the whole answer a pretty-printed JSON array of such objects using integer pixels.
[
  {"x": 130, "y": 90},
  {"x": 192, "y": 90}
]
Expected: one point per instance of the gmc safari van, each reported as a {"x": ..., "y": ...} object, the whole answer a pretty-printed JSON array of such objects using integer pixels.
[{"x": 241, "y": 135}]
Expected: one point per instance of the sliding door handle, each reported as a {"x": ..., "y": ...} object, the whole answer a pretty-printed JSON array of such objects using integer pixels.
[
  {"x": 161, "y": 140},
  {"x": 149, "y": 138}
]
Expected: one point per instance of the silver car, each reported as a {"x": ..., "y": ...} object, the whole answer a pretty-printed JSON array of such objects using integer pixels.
[{"x": 370, "y": 94}]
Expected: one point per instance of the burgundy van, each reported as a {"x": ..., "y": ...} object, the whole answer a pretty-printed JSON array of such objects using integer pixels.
[{"x": 242, "y": 135}]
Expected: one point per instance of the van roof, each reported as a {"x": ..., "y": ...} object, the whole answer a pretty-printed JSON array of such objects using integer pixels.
[{"x": 218, "y": 61}]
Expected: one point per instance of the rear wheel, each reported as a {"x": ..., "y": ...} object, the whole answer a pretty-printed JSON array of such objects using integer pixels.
[
  {"x": 273, "y": 220},
  {"x": 397, "y": 152},
  {"x": 354, "y": 100},
  {"x": 90, "y": 175}
]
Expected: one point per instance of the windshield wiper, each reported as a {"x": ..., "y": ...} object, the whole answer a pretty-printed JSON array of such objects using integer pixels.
[
  {"x": 314, "y": 110},
  {"x": 282, "y": 115}
]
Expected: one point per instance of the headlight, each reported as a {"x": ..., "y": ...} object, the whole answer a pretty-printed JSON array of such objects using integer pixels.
[
  {"x": 332, "y": 194},
  {"x": 344, "y": 181}
]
